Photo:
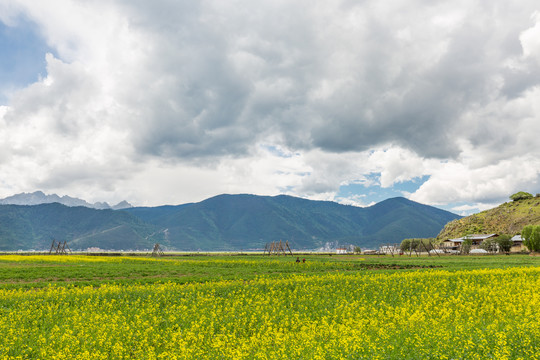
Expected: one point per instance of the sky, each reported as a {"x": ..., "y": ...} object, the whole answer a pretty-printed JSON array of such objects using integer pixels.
[{"x": 168, "y": 102}]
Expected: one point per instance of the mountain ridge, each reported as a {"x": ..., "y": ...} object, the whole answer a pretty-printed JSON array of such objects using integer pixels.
[
  {"x": 239, "y": 220},
  {"x": 222, "y": 222},
  {"x": 39, "y": 197}
]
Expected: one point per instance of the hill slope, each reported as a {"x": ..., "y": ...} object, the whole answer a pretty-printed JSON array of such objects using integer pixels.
[
  {"x": 33, "y": 227},
  {"x": 508, "y": 218},
  {"x": 396, "y": 219},
  {"x": 234, "y": 222}
]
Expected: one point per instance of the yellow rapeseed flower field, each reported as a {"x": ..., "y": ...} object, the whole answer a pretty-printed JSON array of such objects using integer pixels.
[{"x": 429, "y": 314}]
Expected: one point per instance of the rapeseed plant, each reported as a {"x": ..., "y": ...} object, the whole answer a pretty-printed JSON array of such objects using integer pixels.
[{"x": 473, "y": 314}]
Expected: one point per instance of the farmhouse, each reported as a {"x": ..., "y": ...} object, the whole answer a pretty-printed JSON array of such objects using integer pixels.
[
  {"x": 453, "y": 244},
  {"x": 517, "y": 244},
  {"x": 476, "y": 240}
]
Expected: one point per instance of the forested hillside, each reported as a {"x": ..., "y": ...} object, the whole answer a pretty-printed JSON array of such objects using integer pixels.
[
  {"x": 233, "y": 222},
  {"x": 224, "y": 222},
  {"x": 34, "y": 227}
]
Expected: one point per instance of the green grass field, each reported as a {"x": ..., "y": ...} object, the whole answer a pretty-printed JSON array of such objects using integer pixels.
[
  {"x": 17, "y": 271},
  {"x": 269, "y": 307}
]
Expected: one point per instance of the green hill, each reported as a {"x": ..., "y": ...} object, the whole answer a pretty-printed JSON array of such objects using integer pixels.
[
  {"x": 224, "y": 222},
  {"x": 33, "y": 227},
  {"x": 508, "y": 218},
  {"x": 234, "y": 222}
]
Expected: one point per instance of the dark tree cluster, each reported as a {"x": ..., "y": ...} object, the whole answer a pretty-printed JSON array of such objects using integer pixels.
[{"x": 522, "y": 195}]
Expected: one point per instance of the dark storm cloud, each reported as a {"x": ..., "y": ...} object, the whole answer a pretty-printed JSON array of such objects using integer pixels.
[
  {"x": 421, "y": 107},
  {"x": 222, "y": 77}
]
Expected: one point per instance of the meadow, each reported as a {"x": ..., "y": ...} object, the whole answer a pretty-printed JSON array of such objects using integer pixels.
[{"x": 262, "y": 307}]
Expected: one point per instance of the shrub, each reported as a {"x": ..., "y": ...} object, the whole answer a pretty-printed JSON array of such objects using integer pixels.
[
  {"x": 505, "y": 243},
  {"x": 522, "y": 195},
  {"x": 466, "y": 246}
]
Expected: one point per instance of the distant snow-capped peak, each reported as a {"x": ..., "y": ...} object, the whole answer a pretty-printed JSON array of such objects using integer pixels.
[{"x": 38, "y": 197}]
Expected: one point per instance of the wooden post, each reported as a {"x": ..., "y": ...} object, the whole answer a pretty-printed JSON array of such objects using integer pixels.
[
  {"x": 288, "y": 247},
  {"x": 57, "y": 247},
  {"x": 157, "y": 250},
  {"x": 67, "y": 247},
  {"x": 52, "y": 246},
  {"x": 425, "y": 247}
]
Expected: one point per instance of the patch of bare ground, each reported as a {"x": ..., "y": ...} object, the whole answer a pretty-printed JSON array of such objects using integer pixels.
[{"x": 397, "y": 266}]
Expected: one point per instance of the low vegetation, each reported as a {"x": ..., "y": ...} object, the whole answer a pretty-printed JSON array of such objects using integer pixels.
[{"x": 256, "y": 307}]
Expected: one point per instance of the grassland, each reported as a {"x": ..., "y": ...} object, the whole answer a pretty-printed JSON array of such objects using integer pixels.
[{"x": 257, "y": 307}]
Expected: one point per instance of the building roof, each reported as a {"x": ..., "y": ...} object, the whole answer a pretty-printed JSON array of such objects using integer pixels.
[
  {"x": 458, "y": 240},
  {"x": 479, "y": 236},
  {"x": 517, "y": 238},
  {"x": 472, "y": 237}
]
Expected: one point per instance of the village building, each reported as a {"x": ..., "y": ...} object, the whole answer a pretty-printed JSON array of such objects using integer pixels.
[
  {"x": 517, "y": 244},
  {"x": 389, "y": 249},
  {"x": 452, "y": 244},
  {"x": 476, "y": 240}
]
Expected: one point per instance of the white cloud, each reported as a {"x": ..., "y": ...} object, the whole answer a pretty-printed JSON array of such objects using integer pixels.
[
  {"x": 530, "y": 38},
  {"x": 354, "y": 200},
  {"x": 398, "y": 165},
  {"x": 183, "y": 100},
  {"x": 456, "y": 182}
]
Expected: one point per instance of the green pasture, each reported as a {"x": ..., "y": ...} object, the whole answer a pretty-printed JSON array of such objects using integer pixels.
[
  {"x": 269, "y": 307},
  {"x": 21, "y": 271}
]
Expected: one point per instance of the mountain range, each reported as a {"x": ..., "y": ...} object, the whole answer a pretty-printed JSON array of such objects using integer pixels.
[
  {"x": 223, "y": 222},
  {"x": 38, "y": 197}
]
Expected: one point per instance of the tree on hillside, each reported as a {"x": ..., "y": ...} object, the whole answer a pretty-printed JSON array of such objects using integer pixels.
[
  {"x": 505, "y": 243},
  {"x": 466, "y": 246},
  {"x": 522, "y": 195},
  {"x": 531, "y": 237},
  {"x": 490, "y": 245}
]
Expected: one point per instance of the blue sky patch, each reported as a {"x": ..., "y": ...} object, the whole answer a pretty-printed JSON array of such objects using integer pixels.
[
  {"x": 370, "y": 190},
  {"x": 23, "y": 57}
]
